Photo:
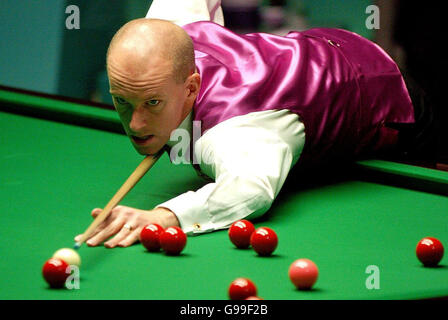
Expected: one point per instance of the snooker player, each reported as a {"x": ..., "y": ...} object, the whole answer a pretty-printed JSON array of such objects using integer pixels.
[{"x": 265, "y": 104}]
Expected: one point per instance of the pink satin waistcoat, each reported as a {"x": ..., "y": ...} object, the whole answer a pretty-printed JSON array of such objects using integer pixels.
[{"x": 344, "y": 88}]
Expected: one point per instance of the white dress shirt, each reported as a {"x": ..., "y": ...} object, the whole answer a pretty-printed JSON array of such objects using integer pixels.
[{"x": 248, "y": 157}]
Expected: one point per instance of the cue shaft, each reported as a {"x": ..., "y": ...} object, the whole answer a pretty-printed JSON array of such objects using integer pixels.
[{"x": 138, "y": 173}]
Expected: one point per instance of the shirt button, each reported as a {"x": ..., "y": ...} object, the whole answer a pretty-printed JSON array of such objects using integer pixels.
[{"x": 197, "y": 226}]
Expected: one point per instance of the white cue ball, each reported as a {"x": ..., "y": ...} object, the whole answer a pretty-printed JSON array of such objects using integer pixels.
[{"x": 68, "y": 255}]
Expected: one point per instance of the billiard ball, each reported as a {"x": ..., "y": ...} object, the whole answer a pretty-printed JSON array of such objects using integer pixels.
[
  {"x": 173, "y": 240},
  {"x": 303, "y": 274},
  {"x": 55, "y": 272},
  {"x": 242, "y": 288},
  {"x": 429, "y": 251},
  {"x": 150, "y": 236},
  {"x": 240, "y": 232},
  {"x": 264, "y": 240},
  {"x": 68, "y": 255}
]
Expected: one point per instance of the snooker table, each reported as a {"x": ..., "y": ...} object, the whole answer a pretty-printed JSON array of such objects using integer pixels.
[{"x": 60, "y": 159}]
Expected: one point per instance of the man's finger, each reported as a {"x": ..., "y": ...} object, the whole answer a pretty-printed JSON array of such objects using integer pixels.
[
  {"x": 130, "y": 239},
  {"x": 111, "y": 229},
  {"x": 95, "y": 212},
  {"x": 120, "y": 236}
]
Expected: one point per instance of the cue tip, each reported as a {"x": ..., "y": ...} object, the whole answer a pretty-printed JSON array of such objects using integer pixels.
[{"x": 77, "y": 246}]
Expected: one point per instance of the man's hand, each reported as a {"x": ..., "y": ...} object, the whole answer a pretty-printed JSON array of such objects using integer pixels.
[{"x": 135, "y": 218}]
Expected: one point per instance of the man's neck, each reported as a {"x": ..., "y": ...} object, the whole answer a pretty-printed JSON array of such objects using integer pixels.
[{"x": 187, "y": 125}]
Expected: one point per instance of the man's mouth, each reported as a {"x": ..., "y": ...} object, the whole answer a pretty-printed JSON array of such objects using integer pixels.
[{"x": 142, "y": 140}]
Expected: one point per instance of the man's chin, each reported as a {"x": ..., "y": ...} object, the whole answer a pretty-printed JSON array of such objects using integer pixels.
[{"x": 147, "y": 151}]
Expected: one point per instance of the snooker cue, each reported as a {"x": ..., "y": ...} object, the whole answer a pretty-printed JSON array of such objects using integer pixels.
[{"x": 138, "y": 173}]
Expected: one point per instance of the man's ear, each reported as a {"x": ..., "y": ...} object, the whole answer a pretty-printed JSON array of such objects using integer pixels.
[{"x": 193, "y": 84}]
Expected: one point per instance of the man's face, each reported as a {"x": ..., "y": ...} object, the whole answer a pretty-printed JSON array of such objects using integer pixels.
[{"x": 149, "y": 102}]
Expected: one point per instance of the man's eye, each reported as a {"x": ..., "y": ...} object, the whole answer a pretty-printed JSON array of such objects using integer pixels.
[
  {"x": 120, "y": 100},
  {"x": 153, "y": 102}
]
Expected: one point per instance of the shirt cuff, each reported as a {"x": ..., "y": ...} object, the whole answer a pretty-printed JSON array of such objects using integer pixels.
[
  {"x": 202, "y": 211},
  {"x": 191, "y": 210}
]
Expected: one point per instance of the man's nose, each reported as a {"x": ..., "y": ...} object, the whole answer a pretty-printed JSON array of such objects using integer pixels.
[{"x": 138, "y": 120}]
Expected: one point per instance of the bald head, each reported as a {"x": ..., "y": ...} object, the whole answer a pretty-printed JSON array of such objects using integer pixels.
[{"x": 141, "y": 42}]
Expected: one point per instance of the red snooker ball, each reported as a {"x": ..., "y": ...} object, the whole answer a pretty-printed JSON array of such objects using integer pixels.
[
  {"x": 173, "y": 240},
  {"x": 55, "y": 272},
  {"x": 150, "y": 236},
  {"x": 242, "y": 288},
  {"x": 240, "y": 232},
  {"x": 264, "y": 240},
  {"x": 429, "y": 251},
  {"x": 303, "y": 273}
]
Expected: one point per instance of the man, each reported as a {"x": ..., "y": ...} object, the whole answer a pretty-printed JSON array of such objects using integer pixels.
[{"x": 265, "y": 103}]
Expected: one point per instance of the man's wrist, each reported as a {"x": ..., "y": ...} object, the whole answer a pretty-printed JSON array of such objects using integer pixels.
[{"x": 167, "y": 217}]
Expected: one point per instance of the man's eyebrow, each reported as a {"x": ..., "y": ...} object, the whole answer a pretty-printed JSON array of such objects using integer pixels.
[
  {"x": 153, "y": 96},
  {"x": 149, "y": 96}
]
